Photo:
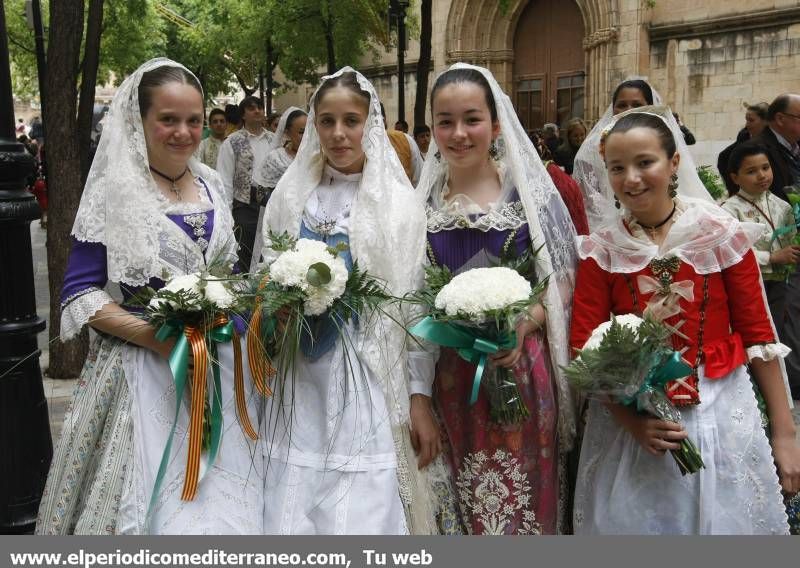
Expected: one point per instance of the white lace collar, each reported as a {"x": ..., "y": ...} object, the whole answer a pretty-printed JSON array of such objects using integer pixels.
[
  {"x": 704, "y": 236},
  {"x": 461, "y": 212}
]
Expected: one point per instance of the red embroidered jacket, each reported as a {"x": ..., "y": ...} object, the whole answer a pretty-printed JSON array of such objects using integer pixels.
[{"x": 727, "y": 314}]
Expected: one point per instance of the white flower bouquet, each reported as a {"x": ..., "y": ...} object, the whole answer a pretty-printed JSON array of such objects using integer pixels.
[
  {"x": 629, "y": 360},
  {"x": 302, "y": 300},
  {"x": 476, "y": 313},
  {"x": 314, "y": 270}
]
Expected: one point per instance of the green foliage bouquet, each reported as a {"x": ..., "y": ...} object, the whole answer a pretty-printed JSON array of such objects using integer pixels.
[
  {"x": 630, "y": 361},
  {"x": 712, "y": 182}
]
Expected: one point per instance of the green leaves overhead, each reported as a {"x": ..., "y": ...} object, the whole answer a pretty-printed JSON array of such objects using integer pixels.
[{"x": 225, "y": 42}]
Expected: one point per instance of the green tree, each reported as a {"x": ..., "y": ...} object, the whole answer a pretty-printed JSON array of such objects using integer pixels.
[
  {"x": 123, "y": 47},
  {"x": 85, "y": 41},
  {"x": 424, "y": 63},
  {"x": 327, "y": 33}
]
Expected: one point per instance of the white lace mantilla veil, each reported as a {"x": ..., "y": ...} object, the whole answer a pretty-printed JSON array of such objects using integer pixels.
[
  {"x": 387, "y": 238},
  {"x": 550, "y": 227},
  {"x": 123, "y": 209},
  {"x": 278, "y": 140},
  {"x": 705, "y": 236},
  {"x": 590, "y": 169}
]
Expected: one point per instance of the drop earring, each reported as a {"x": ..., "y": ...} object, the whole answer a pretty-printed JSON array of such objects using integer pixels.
[
  {"x": 673, "y": 186},
  {"x": 494, "y": 152},
  {"x": 616, "y": 202}
]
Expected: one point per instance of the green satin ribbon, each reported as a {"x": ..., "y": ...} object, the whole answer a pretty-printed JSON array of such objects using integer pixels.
[
  {"x": 674, "y": 367},
  {"x": 786, "y": 229},
  {"x": 468, "y": 343},
  {"x": 179, "y": 364}
]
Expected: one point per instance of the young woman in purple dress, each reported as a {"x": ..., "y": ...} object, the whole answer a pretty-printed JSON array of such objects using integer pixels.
[{"x": 489, "y": 196}]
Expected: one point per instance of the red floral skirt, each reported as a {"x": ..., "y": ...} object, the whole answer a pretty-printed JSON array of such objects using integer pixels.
[{"x": 505, "y": 476}]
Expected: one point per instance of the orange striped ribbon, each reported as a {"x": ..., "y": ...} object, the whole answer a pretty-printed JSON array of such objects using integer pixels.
[
  {"x": 238, "y": 386},
  {"x": 260, "y": 365},
  {"x": 197, "y": 342}
]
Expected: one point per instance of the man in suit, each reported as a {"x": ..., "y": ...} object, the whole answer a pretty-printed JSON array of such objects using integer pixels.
[{"x": 781, "y": 138}]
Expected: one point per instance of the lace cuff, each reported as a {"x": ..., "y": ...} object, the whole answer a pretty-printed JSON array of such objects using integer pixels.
[
  {"x": 76, "y": 311},
  {"x": 767, "y": 352},
  {"x": 421, "y": 367}
]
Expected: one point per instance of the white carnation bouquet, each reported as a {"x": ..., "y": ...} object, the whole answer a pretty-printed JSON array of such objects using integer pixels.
[
  {"x": 302, "y": 300},
  {"x": 476, "y": 312},
  {"x": 313, "y": 269},
  {"x": 629, "y": 360},
  {"x": 482, "y": 294}
]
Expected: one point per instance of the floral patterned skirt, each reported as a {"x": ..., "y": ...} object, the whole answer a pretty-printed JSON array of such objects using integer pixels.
[{"x": 506, "y": 477}]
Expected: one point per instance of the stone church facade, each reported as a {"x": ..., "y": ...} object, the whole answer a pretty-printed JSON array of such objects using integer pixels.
[{"x": 562, "y": 58}]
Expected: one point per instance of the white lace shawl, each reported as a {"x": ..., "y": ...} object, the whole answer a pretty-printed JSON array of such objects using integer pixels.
[
  {"x": 387, "y": 238},
  {"x": 122, "y": 208},
  {"x": 592, "y": 177},
  {"x": 178, "y": 253},
  {"x": 550, "y": 227},
  {"x": 279, "y": 138},
  {"x": 703, "y": 235},
  {"x": 269, "y": 172}
]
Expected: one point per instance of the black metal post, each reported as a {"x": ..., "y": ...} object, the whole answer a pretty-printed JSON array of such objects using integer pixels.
[{"x": 25, "y": 444}]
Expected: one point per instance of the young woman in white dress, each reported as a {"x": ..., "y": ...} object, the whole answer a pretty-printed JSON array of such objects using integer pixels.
[
  {"x": 342, "y": 426},
  {"x": 691, "y": 264}
]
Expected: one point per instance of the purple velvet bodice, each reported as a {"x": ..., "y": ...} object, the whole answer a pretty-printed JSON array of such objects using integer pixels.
[
  {"x": 87, "y": 270},
  {"x": 453, "y": 248}
]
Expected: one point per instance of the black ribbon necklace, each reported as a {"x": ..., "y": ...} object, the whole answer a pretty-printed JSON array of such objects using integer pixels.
[
  {"x": 652, "y": 228},
  {"x": 174, "y": 189}
]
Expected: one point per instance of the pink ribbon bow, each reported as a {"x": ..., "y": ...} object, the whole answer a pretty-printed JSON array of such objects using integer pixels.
[{"x": 662, "y": 306}]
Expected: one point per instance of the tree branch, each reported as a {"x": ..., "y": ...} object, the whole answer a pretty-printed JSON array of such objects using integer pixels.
[{"x": 19, "y": 44}]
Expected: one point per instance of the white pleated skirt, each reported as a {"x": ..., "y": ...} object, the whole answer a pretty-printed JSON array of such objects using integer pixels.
[
  {"x": 229, "y": 498},
  {"x": 329, "y": 454}
]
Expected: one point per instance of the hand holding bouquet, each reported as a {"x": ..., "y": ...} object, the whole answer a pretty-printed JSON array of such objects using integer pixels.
[
  {"x": 476, "y": 312},
  {"x": 629, "y": 360}
]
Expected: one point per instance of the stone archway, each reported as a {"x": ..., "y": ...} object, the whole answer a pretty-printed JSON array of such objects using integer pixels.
[{"x": 478, "y": 33}]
